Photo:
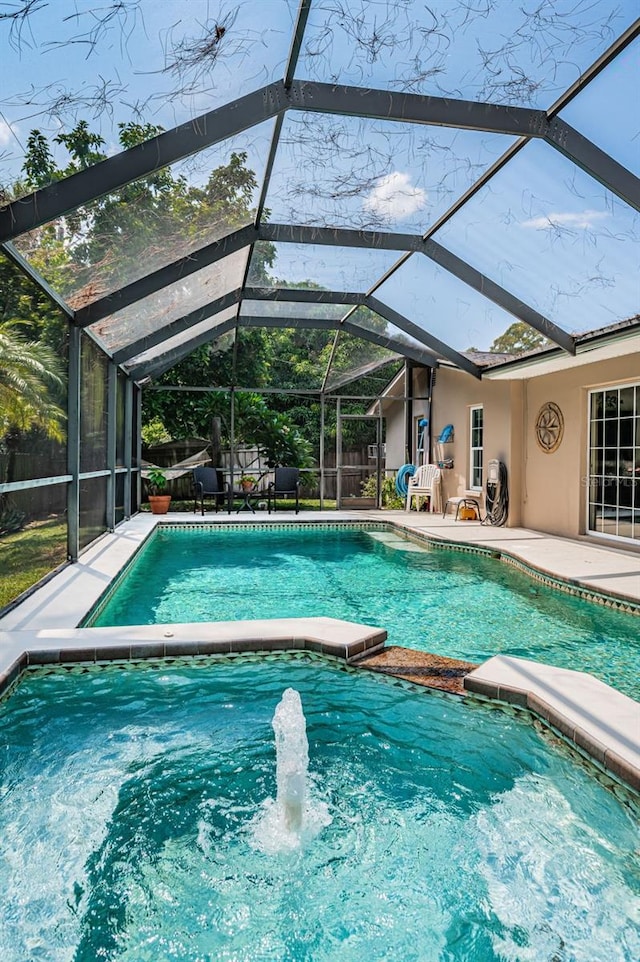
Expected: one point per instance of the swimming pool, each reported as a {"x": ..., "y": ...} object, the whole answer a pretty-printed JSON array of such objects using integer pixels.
[
  {"x": 131, "y": 799},
  {"x": 458, "y": 605}
]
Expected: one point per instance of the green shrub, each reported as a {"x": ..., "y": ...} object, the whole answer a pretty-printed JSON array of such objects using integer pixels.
[
  {"x": 390, "y": 497},
  {"x": 11, "y": 517}
]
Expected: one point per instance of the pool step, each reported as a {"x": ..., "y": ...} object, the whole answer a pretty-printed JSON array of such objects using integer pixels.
[{"x": 391, "y": 540}]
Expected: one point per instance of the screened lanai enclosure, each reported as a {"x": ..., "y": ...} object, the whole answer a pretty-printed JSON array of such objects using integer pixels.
[{"x": 237, "y": 222}]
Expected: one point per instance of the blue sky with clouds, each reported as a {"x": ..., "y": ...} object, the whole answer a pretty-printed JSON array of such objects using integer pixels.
[{"x": 542, "y": 228}]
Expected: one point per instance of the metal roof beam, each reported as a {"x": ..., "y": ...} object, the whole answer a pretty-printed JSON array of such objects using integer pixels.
[
  {"x": 58, "y": 199},
  {"x": 439, "y": 347},
  {"x": 344, "y": 297},
  {"x": 177, "y": 354},
  {"x": 170, "y": 274},
  {"x": 437, "y": 253},
  {"x": 296, "y": 41},
  {"x": 404, "y": 350},
  {"x": 317, "y": 323},
  {"x": 181, "y": 324},
  {"x": 23, "y": 265},
  {"x": 340, "y": 237},
  {"x": 302, "y": 323},
  {"x": 174, "y": 356},
  {"x": 301, "y": 295},
  {"x": 594, "y": 161},
  {"x": 489, "y": 289},
  {"x": 416, "y": 109}
]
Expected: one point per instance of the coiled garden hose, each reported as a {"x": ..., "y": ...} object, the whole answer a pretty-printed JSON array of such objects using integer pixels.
[
  {"x": 402, "y": 478},
  {"x": 497, "y": 499}
]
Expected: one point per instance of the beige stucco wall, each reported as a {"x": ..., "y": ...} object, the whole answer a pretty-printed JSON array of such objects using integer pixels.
[
  {"x": 554, "y": 490},
  {"x": 454, "y": 395},
  {"x": 394, "y": 415}
]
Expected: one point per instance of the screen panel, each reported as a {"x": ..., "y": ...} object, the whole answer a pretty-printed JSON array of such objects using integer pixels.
[
  {"x": 160, "y": 63},
  {"x": 554, "y": 237},
  {"x": 443, "y": 306},
  {"x": 182, "y": 340},
  {"x": 34, "y": 336},
  {"x": 358, "y": 366},
  {"x": 288, "y": 310},
  {"x": 172, "y": 302},
  {"x": 93, "y": 407},
  {"x": 606, "y": 112},
  {"x": 39, "y": 545},
  {"x": 499, "y": 51},
  {"x": 293, "y": 358},
  {"x": 152, "y": 222},
  {"x": 93, "y": 510},
  {"x": 318, "y": 266},
  {"x": 339, "y": 171}
]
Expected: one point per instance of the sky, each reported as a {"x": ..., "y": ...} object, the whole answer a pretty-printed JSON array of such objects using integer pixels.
[{"x": 542, "y": 229}]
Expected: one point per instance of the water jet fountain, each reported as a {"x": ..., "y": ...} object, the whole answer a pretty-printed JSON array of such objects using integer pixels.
[
  {"x": 292, "y": 759},
  {"x": 294, "y": 817}
]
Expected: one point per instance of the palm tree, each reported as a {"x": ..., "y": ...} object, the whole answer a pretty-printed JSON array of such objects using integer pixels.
[
  {"x": 30, "y": 372},
  {"x": 30, "y": 376}
]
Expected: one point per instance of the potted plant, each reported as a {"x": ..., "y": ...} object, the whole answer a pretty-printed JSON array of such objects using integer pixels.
[
  {"x": 247, "y": 482},
  {"x": 157, "y": 481}
]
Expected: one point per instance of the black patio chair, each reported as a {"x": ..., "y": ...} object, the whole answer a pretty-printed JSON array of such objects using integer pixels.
[
  {"x": 207, "y": 483},
  {"x": 286, "y": 483}
]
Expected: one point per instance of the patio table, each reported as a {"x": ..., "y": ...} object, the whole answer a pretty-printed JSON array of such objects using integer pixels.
[{"x": 248, "y": 496}]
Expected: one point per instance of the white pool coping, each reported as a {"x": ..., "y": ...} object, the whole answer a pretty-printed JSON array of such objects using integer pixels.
[{"x": 599, "y": 720}]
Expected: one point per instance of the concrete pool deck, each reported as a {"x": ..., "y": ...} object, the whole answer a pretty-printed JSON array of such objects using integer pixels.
[{"x": 598, "y": 720}]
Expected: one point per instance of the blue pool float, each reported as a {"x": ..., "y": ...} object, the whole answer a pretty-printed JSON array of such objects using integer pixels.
[{"x": 402, "y": 478}]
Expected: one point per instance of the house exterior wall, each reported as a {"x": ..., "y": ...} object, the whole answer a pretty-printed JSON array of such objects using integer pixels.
[
  {"x": 547, "y": 491},
  {"x": 395, "y": 435},
  {"x": 454, "y": 395},
  {"x": 555, "y": 490}
]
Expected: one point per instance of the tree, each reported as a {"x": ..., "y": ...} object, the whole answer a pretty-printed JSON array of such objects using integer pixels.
[
  {"x": 20, "y": 299},
  {"x": 83, "y": 147},
  {"x": 518, "y": 338},
  {"x": 29, "y": 372},
  {"x": 30, "y": 377},
  {"x": 39, "y": 166}
]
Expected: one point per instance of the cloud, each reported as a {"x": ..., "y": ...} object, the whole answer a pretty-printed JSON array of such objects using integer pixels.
[
  {"x": 580, "y": 220},
  {"x": 394, "y": 197},
  {"x": 8, "y": 132}
]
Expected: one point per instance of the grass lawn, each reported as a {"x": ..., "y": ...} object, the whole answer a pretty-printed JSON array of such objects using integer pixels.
[{"x": 30, "y": 554}]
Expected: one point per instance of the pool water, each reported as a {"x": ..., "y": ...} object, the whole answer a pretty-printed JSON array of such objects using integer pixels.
[
  {"x": 458, "y": 605},
  {"x": 456, "y": 833}
]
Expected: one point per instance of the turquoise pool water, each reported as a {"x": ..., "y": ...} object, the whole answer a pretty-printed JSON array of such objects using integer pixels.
[
  {"x": 463, "y": 606},
  {"x": 457, "y": 833}
]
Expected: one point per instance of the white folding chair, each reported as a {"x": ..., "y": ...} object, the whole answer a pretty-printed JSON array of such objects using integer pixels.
[{"x": 425, "y": 483}]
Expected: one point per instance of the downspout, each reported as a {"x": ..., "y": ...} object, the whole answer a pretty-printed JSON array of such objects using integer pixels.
[{"x": 408, "y": 407}]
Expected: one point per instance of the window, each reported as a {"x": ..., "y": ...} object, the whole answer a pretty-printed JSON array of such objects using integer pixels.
[
  {"x": 476, "y": 448},
  {"x": 614, "y": 462}
]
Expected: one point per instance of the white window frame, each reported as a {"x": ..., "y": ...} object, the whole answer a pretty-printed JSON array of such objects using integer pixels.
[
  {"x": 607, "y": 477},
  {"x": 475, "y": 449}
]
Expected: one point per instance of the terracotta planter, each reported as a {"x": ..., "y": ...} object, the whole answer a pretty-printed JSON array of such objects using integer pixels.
[
  {"x": 159, "y": 503},
  {"x": 246, "y": 485}
]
